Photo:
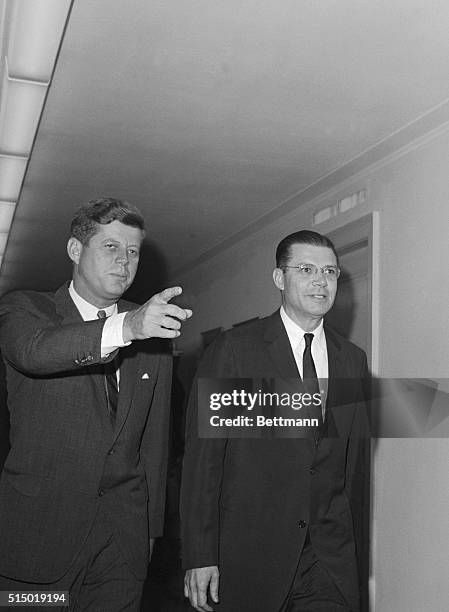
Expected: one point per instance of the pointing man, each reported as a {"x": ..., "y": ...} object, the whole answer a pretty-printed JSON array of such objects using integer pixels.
[{"x": 82, "y": 491}]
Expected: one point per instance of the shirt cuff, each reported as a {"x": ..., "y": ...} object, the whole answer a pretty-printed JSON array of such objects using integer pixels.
[{"x": 112, "y": 336}]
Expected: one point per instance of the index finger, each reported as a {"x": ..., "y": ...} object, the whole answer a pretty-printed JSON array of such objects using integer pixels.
[
  {"x": 167, "y": 294},
  {"x": 176, "y": 311}
]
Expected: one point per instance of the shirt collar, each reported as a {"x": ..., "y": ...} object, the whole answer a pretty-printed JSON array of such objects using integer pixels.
[
  {"x": 296, "y": 333},
  {"x": 87, "y": 310}
]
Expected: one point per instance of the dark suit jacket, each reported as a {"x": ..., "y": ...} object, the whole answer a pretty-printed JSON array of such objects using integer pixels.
[
  {"x": 65, "y": 458},
  {"x": 246, "y": 503}
]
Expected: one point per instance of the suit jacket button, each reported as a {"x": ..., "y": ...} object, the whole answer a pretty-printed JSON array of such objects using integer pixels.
[
  {"x": 312, "y": 472},
  {"x": 101, "y": 492},
  {"x": 302, "y": 524},
  {"x": 112, "y": 451}
]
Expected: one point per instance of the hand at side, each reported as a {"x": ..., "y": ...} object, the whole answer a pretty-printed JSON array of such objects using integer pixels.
[{"x": 197, "y": 582}]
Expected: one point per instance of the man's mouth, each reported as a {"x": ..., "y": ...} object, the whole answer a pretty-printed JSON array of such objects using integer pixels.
[{"x": 319, "y": 296}]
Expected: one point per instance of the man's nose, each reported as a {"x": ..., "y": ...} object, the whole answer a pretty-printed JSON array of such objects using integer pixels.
[
  {"x": 122, "y": 257},
  {"x": 320, "y": 279}
]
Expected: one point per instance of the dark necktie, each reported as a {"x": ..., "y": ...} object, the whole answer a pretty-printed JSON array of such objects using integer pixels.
[
  {"x": 110, "y": 381},
  {"x": 310, "y": 378}
]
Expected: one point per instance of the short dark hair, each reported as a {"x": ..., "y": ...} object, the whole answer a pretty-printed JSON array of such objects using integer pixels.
[
  {"x": 102, "y": 211},
  {"x": 301, "y": 237}
]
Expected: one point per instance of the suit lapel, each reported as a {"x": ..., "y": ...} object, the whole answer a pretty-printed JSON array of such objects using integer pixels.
[
  {"x": 338, "y": 374},
  {"x": 128, "y": 363},
  {"x": 336, "y": 367},
  {"x": 283, "y": 359},
  {"x": 65, "y": 306},
  {"x": 69, "y": 313},
  {"x": 279, "y": 348}
]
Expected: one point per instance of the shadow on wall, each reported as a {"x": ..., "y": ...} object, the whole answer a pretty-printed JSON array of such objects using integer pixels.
[
  {"x": 341, "y": 316},
  {"x": 151, "y": 277},
  {"x": 152, "y": 274}
]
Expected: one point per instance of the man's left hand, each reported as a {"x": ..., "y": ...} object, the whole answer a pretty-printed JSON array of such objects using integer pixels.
[{"x": 200, "y": 581}]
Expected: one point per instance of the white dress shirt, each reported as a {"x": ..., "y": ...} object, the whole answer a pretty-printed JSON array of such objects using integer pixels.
[
  {"x": 112, "y": 336},
  {"x": 295, "y": 335}
]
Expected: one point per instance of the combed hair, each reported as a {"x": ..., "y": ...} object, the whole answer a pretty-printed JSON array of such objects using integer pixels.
[
  {"x": 301, "y": 237},
  {"x": 102, "y": 211}
]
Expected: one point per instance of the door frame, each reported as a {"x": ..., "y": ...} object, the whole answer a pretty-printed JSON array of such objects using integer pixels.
[{"x": 365, "y": 231}]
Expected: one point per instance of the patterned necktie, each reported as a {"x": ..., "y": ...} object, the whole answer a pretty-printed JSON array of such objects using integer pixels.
[
  {"x": 310, "y": 378},
  {"x": 110, "y": 381}
]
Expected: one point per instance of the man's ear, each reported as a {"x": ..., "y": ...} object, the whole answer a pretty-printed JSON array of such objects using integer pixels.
[
  {"x": 74, "y": 248},
  {"x": 278, "y": 278}
]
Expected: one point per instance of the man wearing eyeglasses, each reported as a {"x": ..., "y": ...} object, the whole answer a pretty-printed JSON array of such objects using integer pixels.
[{"x": 266, "y": 522}]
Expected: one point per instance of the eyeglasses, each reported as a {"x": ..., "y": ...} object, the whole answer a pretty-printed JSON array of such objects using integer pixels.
[{"x": 308, "y": 271}]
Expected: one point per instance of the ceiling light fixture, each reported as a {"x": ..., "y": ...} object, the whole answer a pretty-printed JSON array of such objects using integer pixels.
[
  {"x": 6, "y": 215},
  {"x": 3, "y": 239},
  {"x": 31, "y": 32},
  {"x": 12, "y": 171},
  {"x": 20, "y": 108},
  {"x": 35, "y": 30}
]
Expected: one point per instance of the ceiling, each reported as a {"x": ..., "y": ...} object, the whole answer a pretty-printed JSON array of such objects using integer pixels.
[{"x": 209, "y": 115}]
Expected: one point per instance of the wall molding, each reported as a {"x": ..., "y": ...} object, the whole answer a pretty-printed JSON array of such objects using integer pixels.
[{"x": 408, "y": 138}]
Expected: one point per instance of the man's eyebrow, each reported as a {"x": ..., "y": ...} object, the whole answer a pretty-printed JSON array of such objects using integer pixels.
[
  {"x": 113, "y": 239},
  {"x": 119, "y": 241}
]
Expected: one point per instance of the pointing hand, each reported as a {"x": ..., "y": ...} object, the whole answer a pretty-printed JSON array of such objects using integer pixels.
[{"x": 156, "y": 318}]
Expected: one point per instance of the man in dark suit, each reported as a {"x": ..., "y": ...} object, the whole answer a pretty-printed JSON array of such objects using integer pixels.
[
  {"x": 82, "y": 491},
  {"x": 266, "y": 522}
]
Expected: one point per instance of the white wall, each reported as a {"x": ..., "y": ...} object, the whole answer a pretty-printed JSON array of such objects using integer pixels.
[{"x": 410, "y": 482}]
